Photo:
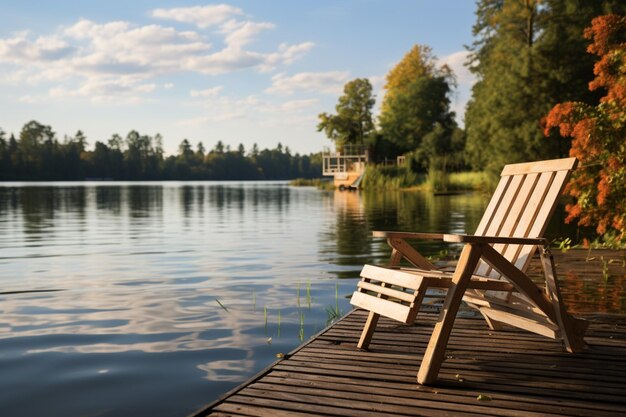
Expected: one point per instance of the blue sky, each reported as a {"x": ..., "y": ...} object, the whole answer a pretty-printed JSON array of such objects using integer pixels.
[{"x": 240, "y": 72}]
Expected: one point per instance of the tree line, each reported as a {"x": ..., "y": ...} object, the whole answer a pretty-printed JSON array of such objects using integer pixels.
[
  {"x": 550, "y": 83},
  {"x": 415, "y": 120},
  {"x": 38, "y": 155}
]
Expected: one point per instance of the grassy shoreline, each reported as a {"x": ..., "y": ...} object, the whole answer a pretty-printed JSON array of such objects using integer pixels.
[
  {"x": 400, "y": 178},
  {"x": 378, "y": 177},
  {"x": 320, "y": 183}
]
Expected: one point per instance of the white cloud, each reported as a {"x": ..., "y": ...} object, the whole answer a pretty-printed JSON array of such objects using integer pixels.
[
  {"x": 286, "y": 55},
  {"x": 194, "y": 121},
  {"x": 118, "y": 47},
  {"x": 226, "y": 60},
  {"x": 218, "y": 108},
  {"x": 30, "y": 99},
  {"x": 201, "y": 16},
  {"x": 209, "y": 92},
  {"x": 123, "y": 57},
  {"x": 330, "y": 82},
  {"x": 465, "y": 81},
  {"x": 264, "y": 112},
  {"x": 168, "y": 86},
  {"x": 20, "y": 49},
  {"x": 223, "y": 116},
  {"x": 456, "y": 62},
  {"x": 291, "y": 121},
  {"x": 377, "y": 82},
  {"x": 297, "y": 105},
  {"x": 105, "y": 89},
  {"x": 232, "y": 115},
  {"x": 238, "y": 34}
]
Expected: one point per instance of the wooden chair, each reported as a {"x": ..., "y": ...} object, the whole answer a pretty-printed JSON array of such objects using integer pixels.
[{"x": 490, "y": 273}]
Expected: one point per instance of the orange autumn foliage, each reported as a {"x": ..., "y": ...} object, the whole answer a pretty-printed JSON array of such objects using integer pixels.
[{"x": 599, "y": 134}]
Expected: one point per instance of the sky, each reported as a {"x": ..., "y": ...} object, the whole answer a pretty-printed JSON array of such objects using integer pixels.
[{"x": 237, "y": 72}]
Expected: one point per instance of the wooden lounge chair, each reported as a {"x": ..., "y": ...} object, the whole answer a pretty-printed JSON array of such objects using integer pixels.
[{"x": 490, "y": 273}]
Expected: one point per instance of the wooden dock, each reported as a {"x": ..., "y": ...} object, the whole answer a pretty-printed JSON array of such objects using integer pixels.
[{"x": 486, "y": 373}]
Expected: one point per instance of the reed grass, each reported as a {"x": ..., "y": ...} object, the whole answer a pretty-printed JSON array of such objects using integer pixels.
[
  {"x": 334, "y": 313},
  {"x": 390, "y": 177},
  {"x": 308, "y": 293},
  {"x": 301, "y": 332},
  {"x": 441, "y": 181},
  {"x": 298, "y": 295},
  {"x": 394, "y": 177},
  {"x": 221, "y": 305},
  {"x": 468, "y": 180},
  {"x": 320, "y": 183}
]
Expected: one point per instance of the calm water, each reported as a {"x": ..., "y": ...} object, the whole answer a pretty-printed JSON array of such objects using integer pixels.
[{"x": 150, "y": 299}]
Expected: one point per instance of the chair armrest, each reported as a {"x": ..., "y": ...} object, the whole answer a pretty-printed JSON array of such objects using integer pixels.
[
  {"x": 494, "y": 239},
  {"x": 408, "y": 235}
]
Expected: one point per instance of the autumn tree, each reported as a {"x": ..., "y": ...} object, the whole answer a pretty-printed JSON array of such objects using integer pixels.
[
  {"x": 418, "y": 63},
  {"x": 353, "y": 122},
  {"x": 416, "y": 101},
  {"x": 528, "y": 55},
  {"x": 598, "y": 134}
]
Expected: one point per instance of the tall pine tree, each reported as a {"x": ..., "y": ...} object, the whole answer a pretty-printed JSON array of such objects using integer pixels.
[{"x": 528, "y": 55}]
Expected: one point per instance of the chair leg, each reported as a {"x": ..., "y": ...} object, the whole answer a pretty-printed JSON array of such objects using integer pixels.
[
  {"x": 493, "y": 324},
  {"x": 572, "y": 329},
  {"x": 435, "y": 352},
  {"x": 368, "y": 330},
  {"x": 372, "y": 318}
]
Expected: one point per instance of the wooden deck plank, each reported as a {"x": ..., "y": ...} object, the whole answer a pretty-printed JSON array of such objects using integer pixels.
[
  {"x": 578, "y": 376},
  {"x": 523, "y": 374},
  {"x": 614, "y": 374},
  {"x": 535, "y": 403},
  {"x": 334, "y": 393},
  {"x": 500, "y": 404},
  {"x": 300, "y": 400}
]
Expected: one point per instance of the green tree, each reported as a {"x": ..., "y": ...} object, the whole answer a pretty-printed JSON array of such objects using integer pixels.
[
  {"x": 219, "y": 147},
  {"x": 598, "y": 134},
  {"x": 36, "y": 144},
  {"x": 39, "y": 156},
  {"x": 116, "y": 157},
  {"x": 142, "y": 159},
  {"x": 418, "y": 63},
  {"x": 441, "y": 149},
  {"x": 101, "y": 165},
  {"x": 528, "y": 55},
  {"x": 416, "y": 103},
  {"x": 116, "y": 142},
  {"x": 255, "y": 150},
  {"x": 353, "y": 122},
  {"x": 200, "y": 150},
  {"x": 414, "y": 112},
  {"x": 5, "y": 157},
  {"x": 73, "y": 153},
  {"x": 184, "y": 150}
]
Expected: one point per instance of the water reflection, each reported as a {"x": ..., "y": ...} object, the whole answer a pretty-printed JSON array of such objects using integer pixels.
[
  {"x": 183, "y": 290},
  {"x": 591, "y": 281},
  {"x": 360, "y": 213}
]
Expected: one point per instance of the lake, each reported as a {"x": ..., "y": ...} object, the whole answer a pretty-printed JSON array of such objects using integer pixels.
[{"x": 142, "y": 299}]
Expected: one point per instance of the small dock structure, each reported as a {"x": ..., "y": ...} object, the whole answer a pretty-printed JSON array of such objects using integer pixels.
[
  {"x": 346, "y": 165},
  {"x": 486, "y": 372}
]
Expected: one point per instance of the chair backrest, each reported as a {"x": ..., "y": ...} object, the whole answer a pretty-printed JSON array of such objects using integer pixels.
[{"x": 522, "y": 206}]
